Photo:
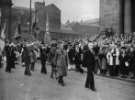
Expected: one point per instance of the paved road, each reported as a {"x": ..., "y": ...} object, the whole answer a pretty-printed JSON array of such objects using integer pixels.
[{"x": 16, "y": 86}]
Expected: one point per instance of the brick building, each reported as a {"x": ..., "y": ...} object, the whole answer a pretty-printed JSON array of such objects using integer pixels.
[{"x": 118, "y": 15}]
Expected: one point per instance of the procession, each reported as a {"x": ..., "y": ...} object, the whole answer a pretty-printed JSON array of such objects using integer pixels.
[
  {"x": 111, "y": 59},
  {"x": 44, "y": 58}
]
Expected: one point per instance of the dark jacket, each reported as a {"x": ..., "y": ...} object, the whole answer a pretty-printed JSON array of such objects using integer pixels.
[
  {"x": 88, "y": 60},
  {"x": 123, "y": 60},
  {"x": 132, "y": 61},
  {"x": 71, "y": 55},
  {"x": 26, "y": 56},
  {"x": 7, "y": 51},
  {"x": 78, "y": 57},
  {"x": 43, "y": 54}
]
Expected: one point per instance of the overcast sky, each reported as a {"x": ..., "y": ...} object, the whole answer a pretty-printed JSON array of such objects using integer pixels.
[{"x": 73, "y": 10}]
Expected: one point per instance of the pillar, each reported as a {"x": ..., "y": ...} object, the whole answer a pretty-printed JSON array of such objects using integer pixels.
[
  {"x": 121, "y": 23},
  {"x": 133, "y": 15},
  {"x": 127, "y": 16},
  {"x": 9, "y": 24}
]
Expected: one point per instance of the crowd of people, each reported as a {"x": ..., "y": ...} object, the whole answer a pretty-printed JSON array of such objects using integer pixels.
[
  {"x": 109, "y": 57},
  {"x": 116, "y": 55},
  {"x": 59, "y": 54}
]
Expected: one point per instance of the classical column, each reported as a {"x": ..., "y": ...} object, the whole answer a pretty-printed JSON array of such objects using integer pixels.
[
  {"x": 9, "y": 24},
  {"x": 122, "y": 6},
  {"x": 127, "y": 16}
]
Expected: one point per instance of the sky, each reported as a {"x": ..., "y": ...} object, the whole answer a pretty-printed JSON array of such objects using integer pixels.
[{"x": 72, "y": 10}]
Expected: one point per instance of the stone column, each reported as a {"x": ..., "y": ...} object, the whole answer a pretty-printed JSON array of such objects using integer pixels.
[
  {"x": 127, "y": 16},
  {"x": 121, "y": 16}
]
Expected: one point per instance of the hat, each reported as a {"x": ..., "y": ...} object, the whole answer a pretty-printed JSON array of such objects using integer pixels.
[
  {"x": 54, "y": 44},
  {"x": 42, "y": 42},
  {"x": 86, "y": 47},
  {"x": 76, "y": 43}
]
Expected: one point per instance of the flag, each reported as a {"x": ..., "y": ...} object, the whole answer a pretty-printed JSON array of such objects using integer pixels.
[
  {"x": 16, "y": 33},
  {"x": 2, "y": 44},
  {"x": 3, "y": 31},
  {"x": 47, "y": 25}
]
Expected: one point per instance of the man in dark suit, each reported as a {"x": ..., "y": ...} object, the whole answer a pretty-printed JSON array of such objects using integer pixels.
[
  {"x": 26, "y": 55},
  {"x": 43, "y": 58},
  {"x": 12, "y": 56},
  {"x": 78, "y": 60},
  {"x": 7, "y": 53},
  {"x": 89, "y": 63}
]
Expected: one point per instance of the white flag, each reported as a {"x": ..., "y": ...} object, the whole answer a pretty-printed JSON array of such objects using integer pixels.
[
  {"x": 2, "y": 44},
  {"x": 3, "y": 31},
  {"x": 16, "y": 33}
]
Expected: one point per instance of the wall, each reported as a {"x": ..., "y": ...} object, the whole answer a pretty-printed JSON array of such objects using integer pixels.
[
  {"x": 54, "y": 15},
  {"x": 110, "y": 15},
  {"x": 6, "y": 18},
  {"x": 40, "y": 15}
]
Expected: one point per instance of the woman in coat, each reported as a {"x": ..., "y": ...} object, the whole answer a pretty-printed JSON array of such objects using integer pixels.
[{"x": 61, "y": 63}]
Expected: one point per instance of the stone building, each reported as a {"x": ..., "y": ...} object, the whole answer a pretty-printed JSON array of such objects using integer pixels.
[
  {"x": 54, "y": 15},
  {"x": 52, "y": 12},
  {"x": 20, "y": 15},
  {"x": 5, "y": 18},
  {"x": 40, "y": 16},
  {"x": 48, "y": 22},
  {"x": 118, "y": 15},
  {"x": 20, "y": 22},
  {"x": 63, "y": 34}
]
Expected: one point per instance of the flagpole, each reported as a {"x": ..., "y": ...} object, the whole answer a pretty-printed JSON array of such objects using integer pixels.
[{"x": 30, "y": 23}]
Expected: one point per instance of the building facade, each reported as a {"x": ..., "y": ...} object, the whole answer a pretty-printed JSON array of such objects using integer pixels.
[
  {"x": 48, "y": 22},
  {"x": 64, "y": 35},
  {"x": 51, "y": 12},
  {"x": 20, "y": 15},
  {"x": 40, "y": 17},
  {"x": 5, "y": 18},
  {"x": 117, "y": 15},
  {"x": 54, "y": 16}
]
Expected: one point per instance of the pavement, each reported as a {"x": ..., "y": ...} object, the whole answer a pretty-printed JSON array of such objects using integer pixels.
[{"x": 17, "y": 86}]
